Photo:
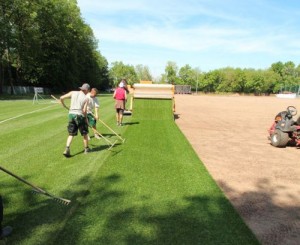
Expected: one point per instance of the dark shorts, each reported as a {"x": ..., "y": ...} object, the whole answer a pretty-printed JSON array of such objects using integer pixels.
[
  {"x": 77, "y": 122},
  {"x": 92, "y": 121}
]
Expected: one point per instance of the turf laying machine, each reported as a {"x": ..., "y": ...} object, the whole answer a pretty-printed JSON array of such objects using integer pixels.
[
  {"x": 152, "y": 91},
  {"x": 285, "y": 130}
]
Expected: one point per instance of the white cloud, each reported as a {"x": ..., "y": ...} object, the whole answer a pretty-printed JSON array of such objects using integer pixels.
[{"x": 199, "y": 27}]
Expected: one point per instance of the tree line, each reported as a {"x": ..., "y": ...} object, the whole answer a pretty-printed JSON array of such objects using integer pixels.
[
  {"x": 47, "y": 43},
  {"x": 279, "y": 77}
]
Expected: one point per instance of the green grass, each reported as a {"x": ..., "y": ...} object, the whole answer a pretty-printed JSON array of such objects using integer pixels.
[{"x": 153, "y": 189}]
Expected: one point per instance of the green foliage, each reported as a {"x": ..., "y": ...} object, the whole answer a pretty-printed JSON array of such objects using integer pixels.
[
  {"x": 119, "y": 71},
  {"x": 171, "y": 72},
  {"x": 47, "y": 43},
  {"x": 143, "y": 72},
  {"x": 186, "y": 75},
  {"x": 279, "y": 77}
]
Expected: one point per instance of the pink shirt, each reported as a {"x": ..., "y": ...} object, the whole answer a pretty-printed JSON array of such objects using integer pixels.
[{"x": 120, "y": 94}]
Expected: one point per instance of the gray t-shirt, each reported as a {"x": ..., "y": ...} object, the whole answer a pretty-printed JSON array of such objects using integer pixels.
[{"x": 78, "y": 100}]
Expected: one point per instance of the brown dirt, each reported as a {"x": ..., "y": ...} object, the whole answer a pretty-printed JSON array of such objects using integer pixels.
[{"x": 229, "y": 133}]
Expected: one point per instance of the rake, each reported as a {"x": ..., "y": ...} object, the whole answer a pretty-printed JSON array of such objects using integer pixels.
[
  {"x": 123, "y": 140},
  {"x": 107, "y": 140},
  {"x": 36, "y": 189}
]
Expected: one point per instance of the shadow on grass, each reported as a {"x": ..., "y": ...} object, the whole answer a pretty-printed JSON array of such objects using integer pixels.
[
  {"x": 104, "y": 214},
  {"x": 38, "y": 219},
  {"x": 176, "y": 116},
  {"x": 110, "y": 216},
  {"x": 272, "y": 222},
  {"x": 130, "y": 123}
]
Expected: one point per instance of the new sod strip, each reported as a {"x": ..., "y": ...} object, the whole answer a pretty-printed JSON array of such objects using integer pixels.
[{"x": 155, "y": 190}]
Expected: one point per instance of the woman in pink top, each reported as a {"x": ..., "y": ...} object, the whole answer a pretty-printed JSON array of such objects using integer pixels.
[{"x": 120, "y": 97}]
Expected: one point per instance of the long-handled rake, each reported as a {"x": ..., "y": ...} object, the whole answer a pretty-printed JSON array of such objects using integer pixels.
[
  {"x": 123, "y": 140},
  {"x": 59, "y": 101},
  {"x": 107, "y": 140},
  {"x": 36, "y": 189}
]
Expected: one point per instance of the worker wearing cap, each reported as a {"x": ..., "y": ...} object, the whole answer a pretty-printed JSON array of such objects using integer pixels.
[
  {"x": 77, "y": 117},
  {"x": 5, "y": 231}
]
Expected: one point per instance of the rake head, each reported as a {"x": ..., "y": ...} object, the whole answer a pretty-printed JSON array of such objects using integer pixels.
[
  {"x": 60, "y": 200},
  {"x": 112, "y": 145}
]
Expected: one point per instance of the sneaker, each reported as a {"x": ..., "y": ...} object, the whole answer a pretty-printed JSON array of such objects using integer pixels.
[
  {"x": 118, "y": 124},
  {"x": 97, "y": 136},
  {"x": 6, "y": 231},
  {"x": 121, "y": 124},
  {"x": 87, "y": 150},
  {"x": 67, "y": 152}
]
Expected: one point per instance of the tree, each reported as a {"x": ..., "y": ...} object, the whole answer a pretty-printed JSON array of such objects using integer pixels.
[
  {"x": 210, "y": 81},
  {"x": 143, "y": 72},
  {"x": 48, "y": 44},
  {"x": 171, "y": 72},
  {"x": 120, "y": 71},
  {"x": 186, "y": 75}
]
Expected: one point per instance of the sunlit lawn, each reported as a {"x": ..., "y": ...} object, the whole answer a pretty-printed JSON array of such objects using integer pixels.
[{"x": 153, "y": 189}]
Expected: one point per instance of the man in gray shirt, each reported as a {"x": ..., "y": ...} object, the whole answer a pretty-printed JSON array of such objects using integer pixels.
[{"x": 77, "y": 117}]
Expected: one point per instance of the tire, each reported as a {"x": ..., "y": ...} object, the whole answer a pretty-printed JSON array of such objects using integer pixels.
[{"x": 279, "y": 138}]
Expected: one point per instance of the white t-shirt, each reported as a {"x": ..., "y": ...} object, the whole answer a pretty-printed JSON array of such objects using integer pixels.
[{"x": 92, "y": 103}]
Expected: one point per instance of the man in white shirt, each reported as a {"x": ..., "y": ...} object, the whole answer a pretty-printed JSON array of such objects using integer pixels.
[{"x": 93, "y": 104}]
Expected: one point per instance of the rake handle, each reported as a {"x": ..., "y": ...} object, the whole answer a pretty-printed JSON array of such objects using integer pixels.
[
  {"x": 59, "y": 101},
  {"x": 37, "y": 189},
  {"x": 109, "y": 128},
  {"x": 22, "y": 180}
]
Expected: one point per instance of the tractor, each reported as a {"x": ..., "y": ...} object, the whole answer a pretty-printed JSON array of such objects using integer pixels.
[{"x": 285, "y": 130}]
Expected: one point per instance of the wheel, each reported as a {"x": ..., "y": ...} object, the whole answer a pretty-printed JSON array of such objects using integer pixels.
[
  {"x": 292, "y": 110},
  {"x": 279, "y": 138}
]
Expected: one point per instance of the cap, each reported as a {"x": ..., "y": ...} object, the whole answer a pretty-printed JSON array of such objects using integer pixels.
[
  {"x": 121, "y": 85},
  {"x": 85, "y": 86}
]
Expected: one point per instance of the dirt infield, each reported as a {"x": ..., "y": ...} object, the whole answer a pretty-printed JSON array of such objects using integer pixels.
[{"x": 229, "y": 133}]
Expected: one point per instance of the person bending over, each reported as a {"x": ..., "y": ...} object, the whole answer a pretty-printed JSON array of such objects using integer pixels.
[{"x": 77, "y": 119}]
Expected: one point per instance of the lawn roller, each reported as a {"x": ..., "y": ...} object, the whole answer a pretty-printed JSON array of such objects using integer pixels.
[
  {"x": 284, "y": 130},
  {"x": 36, "y": 189}
]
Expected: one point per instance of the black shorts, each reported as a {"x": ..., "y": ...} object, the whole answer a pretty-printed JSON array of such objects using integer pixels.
[{"x": 77, "y": 122}]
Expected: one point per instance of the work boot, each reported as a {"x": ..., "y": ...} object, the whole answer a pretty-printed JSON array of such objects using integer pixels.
[
  {"x": 67, "y": 152},
  {"x": 6, "y": 231},
  {"x": 87, "y": 150},
  {"x": 97, "y": 136}
]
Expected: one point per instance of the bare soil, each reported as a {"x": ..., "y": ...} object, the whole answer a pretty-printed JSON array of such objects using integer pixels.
[{"x": 229, "y": 133}]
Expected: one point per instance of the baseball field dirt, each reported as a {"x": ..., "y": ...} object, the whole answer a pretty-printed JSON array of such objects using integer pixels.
[{"x": 229, "y": 133}]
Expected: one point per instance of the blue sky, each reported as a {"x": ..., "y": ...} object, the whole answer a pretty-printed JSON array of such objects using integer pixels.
[{"x": 207, "y": 34}]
